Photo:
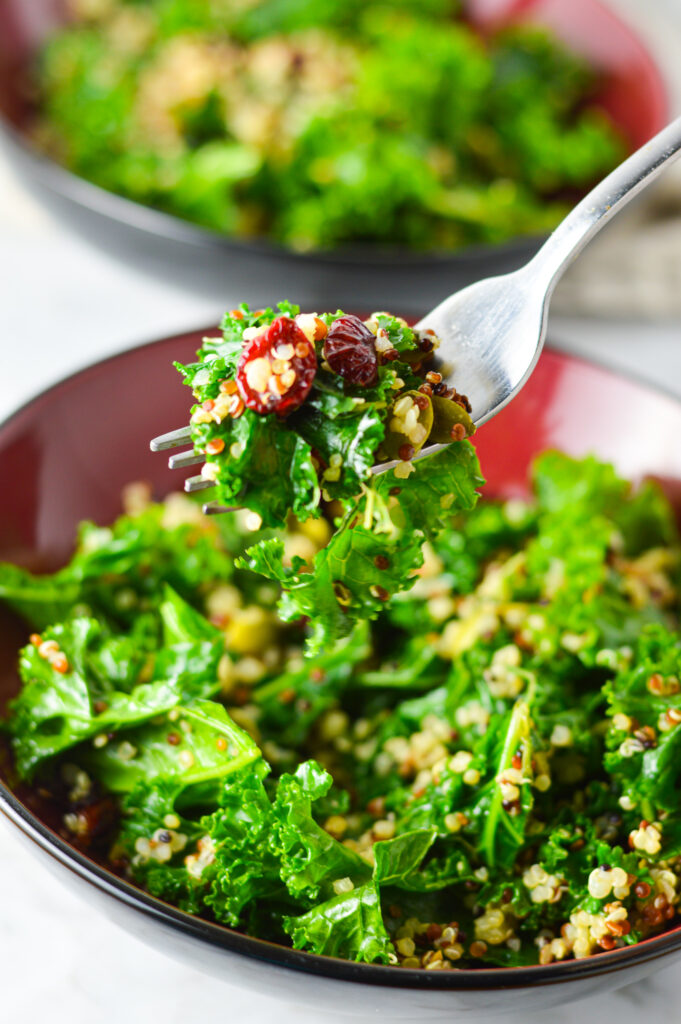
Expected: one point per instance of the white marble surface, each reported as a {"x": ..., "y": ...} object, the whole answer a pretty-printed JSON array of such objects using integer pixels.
[{"x": 63, "y": 303}]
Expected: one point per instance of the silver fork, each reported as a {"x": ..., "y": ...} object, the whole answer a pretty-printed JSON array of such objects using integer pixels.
[{"x": 492, "y": 332}]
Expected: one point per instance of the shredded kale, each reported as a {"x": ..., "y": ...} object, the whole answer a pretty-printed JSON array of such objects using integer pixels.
[
  {"x": 351, "y": 136},
  {"x": 428, "y": 731},
  {"x": 326, "y": 442}
]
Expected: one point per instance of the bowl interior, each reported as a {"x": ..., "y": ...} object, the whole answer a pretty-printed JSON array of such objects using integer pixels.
[{"x": 71, "y": 450}]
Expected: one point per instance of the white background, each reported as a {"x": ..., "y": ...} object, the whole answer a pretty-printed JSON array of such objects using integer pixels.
[{"x": 63, "y": 302}]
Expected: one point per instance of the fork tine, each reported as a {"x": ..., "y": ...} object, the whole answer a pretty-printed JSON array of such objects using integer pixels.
[
  {"x": 214, "y": 508},
  {"x": 189, "y": 458},
  {"x": 173, "y": 439},
  {"x": 197, "y": 483}
]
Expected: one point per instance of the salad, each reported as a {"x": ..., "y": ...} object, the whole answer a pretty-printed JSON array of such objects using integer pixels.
[
  {"x": 399, "y": 726},
  {"x": 320, "y": 124},
  {"x": 291, "y": 406}
]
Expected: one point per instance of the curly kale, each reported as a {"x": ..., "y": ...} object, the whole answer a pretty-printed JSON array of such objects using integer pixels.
[
  {"x": 353, "y": 135},
  {"x": 460, "y": 736}
]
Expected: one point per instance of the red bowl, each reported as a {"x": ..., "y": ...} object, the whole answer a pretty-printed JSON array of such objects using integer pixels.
[
  {"x": 632, "y": 91},
  {"x": 67, "y": 455}
]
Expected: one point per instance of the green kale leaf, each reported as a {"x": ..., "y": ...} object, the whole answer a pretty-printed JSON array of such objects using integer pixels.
[
  {"x": 396, "y": 860},
  {"x": 56, "y": 710},
  {"x": 311, "y": 859},
  {"x": 198, "y": 746},
  {"x": 348, "y": 926},
  {"x": 244, "y": 869}
]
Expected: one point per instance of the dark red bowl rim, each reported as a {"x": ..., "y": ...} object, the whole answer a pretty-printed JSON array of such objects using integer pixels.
[
  {"x": 128, "y": 212},
  {"x": 221, "y": 937}
]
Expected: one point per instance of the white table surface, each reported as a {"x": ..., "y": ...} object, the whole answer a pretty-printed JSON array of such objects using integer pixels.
[{"x": 64, "y": 303}]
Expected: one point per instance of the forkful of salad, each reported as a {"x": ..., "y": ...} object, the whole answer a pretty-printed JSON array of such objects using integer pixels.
[{"x": 291, "y": 405}]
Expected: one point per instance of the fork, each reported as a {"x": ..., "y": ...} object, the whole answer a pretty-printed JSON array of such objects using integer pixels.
[{"x": 492, "y": 332}]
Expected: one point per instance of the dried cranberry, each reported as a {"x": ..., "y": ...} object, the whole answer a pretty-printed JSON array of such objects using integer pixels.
[
  {"x": 350, "y": 350},
  {"x": 276, "y": 368}
]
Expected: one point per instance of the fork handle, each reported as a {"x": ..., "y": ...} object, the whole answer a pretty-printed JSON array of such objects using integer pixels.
[{"x": 603, "y": 202}]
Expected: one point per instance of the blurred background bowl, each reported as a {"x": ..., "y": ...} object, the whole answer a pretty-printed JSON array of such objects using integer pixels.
[
  {"x": 633, "y": 93},
  {"x": 63, "y": 460}
]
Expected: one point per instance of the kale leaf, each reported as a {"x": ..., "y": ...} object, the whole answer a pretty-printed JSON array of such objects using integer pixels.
[
  {"x": 349, "y": 926},
  {"x": 311, "y": 859}
]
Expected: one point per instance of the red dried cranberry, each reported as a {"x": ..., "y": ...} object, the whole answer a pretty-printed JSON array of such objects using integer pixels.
[
  {"x": 350, "y": 350},
  {"x": 276, "y": 368}
]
